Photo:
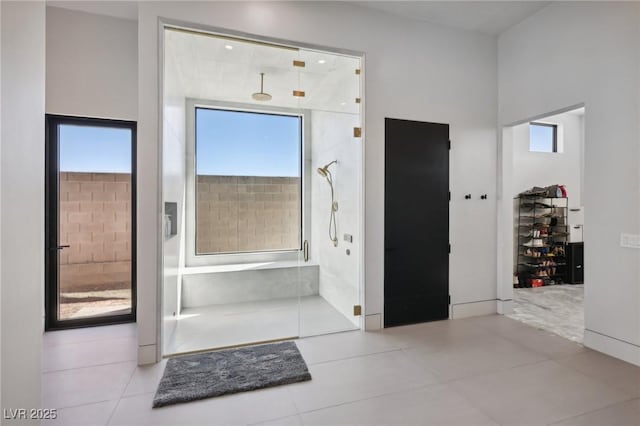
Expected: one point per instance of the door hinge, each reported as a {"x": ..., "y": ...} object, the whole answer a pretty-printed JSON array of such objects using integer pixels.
[
  {"x": 357, "y": 310},
  {"x": 449, "y": 299},
  {"x": 449, "y": 195},
  {"x": 449, "y": 248},
  {"x": 449, "y": 144}
]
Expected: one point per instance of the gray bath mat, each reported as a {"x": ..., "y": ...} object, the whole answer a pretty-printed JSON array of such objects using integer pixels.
[{"x": 191, "y": 377}]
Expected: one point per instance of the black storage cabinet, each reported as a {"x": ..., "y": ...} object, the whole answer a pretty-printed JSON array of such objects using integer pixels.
[{"x": 575, "y": 263}]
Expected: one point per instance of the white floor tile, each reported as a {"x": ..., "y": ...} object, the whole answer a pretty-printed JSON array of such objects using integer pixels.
[
  {"x": 434, "y": 405},
  {"x": 85, "y": 354},
  {"x": 544, "y": 342},
  {"x": 388, "y": 377},
  {"x": 79, "y": 386},
  {"x": 348, "y": 380},
  {"x": 97, "y": 414},
  {"x": 464, "y": 359},
  {"x": 238, "y": 409},
  {"x": 287, "y": 421},
  {"x": 622, "y": 414},
  {"x": 434, "y": 336},
  {"x": 537, "y": 394},
  {"x": 89, "y": 334},
  {"x": 614, "y": 372},
  {"x": 145, "y": 379},
  {"x": 344, "y": 345}
]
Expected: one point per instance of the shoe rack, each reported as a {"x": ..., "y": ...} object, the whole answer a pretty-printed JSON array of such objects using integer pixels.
[{"x": 542, "y": 237}]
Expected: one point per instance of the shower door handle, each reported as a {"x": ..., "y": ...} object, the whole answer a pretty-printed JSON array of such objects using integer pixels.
[{"x": 305, "y": 250}]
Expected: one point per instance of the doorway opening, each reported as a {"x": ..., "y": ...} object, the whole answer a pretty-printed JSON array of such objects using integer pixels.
[
  {"x": 90, "y": 222},
  {"x": 543, "y": 187}
]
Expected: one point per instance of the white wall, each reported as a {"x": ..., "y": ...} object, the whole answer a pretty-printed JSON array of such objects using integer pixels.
[
  {"x": 174, "y": 177},
  {"x": 91, "y": 65},
  {"x": 544, "y": 168},
  {"x": 22, "y": 202},
  {"x": 332, "y": 139},
  {"x": 567, "y": 54},
  {"x": 1, "y": 403},
  {"x": 413, "y": 70}
]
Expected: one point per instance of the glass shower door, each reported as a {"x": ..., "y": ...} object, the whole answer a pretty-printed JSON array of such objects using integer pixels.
[{"x": 334, "y": 172}]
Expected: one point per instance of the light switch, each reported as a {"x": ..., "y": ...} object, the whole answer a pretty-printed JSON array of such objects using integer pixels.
[{"x": 630, "y": 241}]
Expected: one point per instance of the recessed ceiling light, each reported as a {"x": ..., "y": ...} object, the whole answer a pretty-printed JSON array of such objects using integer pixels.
[
  {"x": 321, "y": 61},
  {"x": 343, "y": 103},
  {"x": 228, "y": 47}
]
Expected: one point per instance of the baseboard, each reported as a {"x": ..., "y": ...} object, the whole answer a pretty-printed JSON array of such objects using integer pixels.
[
  {"x": 505, "y": 306},
  {"x": 611, "y": 346},
  {"x": 147, "y": 354},
  {"x": 473, "y": 309},
  {"x": 372, "y": 322}
]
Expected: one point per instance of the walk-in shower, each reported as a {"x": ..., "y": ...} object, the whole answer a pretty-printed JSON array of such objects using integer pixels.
[{"x": 248, "y": 258}]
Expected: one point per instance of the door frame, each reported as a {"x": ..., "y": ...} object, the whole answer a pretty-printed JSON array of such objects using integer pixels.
[{"x": 52, "y": 282}]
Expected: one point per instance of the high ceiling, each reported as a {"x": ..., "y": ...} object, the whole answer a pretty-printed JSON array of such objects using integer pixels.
[
  {"x": 114, "y": 8},
  {"x": 488, "y": 17}
]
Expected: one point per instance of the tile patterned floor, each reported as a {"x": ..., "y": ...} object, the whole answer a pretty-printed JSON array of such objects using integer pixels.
[
  {"x": 479, "y": 371},
  {"x": 556, "y": 308}
]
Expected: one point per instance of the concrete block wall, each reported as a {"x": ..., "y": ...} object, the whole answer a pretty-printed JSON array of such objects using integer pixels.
[
  {"x": 95, "y": 221},
  {"x": 247, "y": 213}
]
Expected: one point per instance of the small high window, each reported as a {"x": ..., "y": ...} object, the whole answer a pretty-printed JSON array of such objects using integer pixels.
[{"x": 543, "y": 137}]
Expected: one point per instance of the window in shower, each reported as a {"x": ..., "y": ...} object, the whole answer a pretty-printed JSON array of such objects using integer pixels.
[{"x": 248, "y": 181}]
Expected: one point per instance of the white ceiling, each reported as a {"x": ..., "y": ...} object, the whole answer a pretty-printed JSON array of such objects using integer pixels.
[
  {"x": 488, "y": 17},
  {"x": 202, "y": 67},
  {"x": 115, "y": 8}
]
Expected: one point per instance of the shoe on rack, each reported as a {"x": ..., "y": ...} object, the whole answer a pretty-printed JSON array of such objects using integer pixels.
[{"x": 534, "y": 243}]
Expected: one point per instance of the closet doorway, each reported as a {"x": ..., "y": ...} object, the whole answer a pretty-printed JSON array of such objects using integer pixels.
[{"x": 543, "y": 186}]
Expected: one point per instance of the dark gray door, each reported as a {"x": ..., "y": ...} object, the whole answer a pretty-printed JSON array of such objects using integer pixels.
[{"x": 416, "y": 270}]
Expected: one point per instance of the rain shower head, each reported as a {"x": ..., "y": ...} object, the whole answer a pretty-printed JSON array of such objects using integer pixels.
[{"x": 261, "y": 95}]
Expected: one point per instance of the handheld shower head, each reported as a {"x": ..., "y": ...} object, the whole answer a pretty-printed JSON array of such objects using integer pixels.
[
  {"x": 325, "y": 173},
  {"x": 324, "y": 170}
]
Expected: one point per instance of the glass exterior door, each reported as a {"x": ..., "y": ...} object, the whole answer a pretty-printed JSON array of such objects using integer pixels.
[{"x": 90, "y": 222}]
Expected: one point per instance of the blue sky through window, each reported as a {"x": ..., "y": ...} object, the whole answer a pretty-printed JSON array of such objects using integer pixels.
[
  {"x": 94, "y": 149},
  {"x": 540, "y": 138},
  {"x": 237, "y": 143}
]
